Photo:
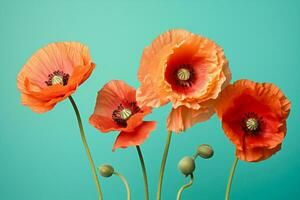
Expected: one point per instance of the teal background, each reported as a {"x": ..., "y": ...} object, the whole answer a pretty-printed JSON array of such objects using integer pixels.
[{"x": 41, "y": 155}]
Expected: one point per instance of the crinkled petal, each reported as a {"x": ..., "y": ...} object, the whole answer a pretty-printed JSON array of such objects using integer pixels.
[
  {"x": 268, "y": 104},
  {"x": 161, "y": 60},
  {"x": 264, "y": 99},
  {"x": 183, "y": 118},
  {"x": 147, "y": 96}
]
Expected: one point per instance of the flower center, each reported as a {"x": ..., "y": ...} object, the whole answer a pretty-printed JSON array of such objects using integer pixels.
[
  {"x": 57, "y": 77},
  {"x": 252, "y": 124},
  {"x": 57, "y": 80},
  {"x": 183, "y": 74},
  {"x": 125, "y": 113}
]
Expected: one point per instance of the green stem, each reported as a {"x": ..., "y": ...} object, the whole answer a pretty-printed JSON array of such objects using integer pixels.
[
  {"x": 88, "y": 153},
  {"x": 125, "y": 183},
  {"x": 144, "y": 172},
  {"x": 185, "y": 186},
  {"x": 195, "y": 156},
  {"x": 163, "y": 164},
  {"x": 230, "y": 178}
]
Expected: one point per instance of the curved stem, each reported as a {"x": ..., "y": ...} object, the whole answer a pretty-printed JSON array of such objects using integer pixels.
[
  {"x": 184, "y": 187},
  {"x": 195, "y": 156},
  {"x": 230, "y": 178},
  {"x": 88, "y": 153},
  {"x": 125, "y": 183},
  {"x": 163, "y": 164},
  {"x": 144, "y": 172}
]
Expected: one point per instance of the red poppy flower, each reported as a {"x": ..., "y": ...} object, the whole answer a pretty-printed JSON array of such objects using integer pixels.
[
  {"x": 53, "y": 73},
  {"x": 117, "y": 110},
  {"x": 186, "y": 69},
  {"x": 253, "y": 117}
]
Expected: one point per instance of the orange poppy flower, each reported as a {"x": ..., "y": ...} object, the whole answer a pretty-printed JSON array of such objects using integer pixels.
[
  {"x": 253, "y": 117},
  {"x": 117, "y": 110},
  {"x": 187, "y": 69},
  {"x": 53, "y": 73}
]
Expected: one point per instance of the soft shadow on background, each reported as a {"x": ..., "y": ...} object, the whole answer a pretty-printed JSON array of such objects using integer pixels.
[{"x": 41, "y": 156}]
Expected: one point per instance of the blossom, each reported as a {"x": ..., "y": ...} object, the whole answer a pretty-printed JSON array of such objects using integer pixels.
[
  {"x": 186, "y": 69},
  {"x": 117, "y": 110},
  {"x": 53, "y": 73},
  {"x": 254, "y": 118}
]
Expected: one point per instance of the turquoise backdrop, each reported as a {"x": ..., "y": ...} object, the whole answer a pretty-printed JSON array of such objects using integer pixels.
[{"x": 41, "y": 155}]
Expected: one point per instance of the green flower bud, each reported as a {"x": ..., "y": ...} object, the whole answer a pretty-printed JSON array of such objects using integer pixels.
[
  {"x": 186, "y": 165},
  {"x": 205, "y": 151},
  {"x": 106, "y": 170}
]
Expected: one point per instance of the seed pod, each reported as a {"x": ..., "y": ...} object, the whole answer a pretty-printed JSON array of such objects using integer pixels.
[
  {"x": 186, "y": 165},
  {"x": 205, "y": 151},
  {"x": 106, "y": 170}
]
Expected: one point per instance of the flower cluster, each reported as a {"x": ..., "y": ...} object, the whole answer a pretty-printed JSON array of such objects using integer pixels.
[{"x": 179, "y": 67}]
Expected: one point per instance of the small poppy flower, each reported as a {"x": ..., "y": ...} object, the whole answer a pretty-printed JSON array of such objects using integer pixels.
[
  {"x": 117, "y": 110},
  {"x": 53, "y": 73},
  {"x": 186, "y": 69},
  {"x": 254, "y": 118}
]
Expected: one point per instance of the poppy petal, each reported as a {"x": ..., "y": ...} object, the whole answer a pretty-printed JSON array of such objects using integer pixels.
[
  {"x": 103, "y": 124},
  {"x": 62, "y": 56},
  {"x": 72, "y": 59},
  {"x": 264, "y": 103},
  {"x": 147, "y": 96},
  {"x": 136, "y": 119},
  {"x": 182, "y": 118},
  {"x": 136, "y": 137},
  {"x": 257, "y": 154},
  {"x": 34, "y": 104},
  {"x": 185, "y": 69},
  {"x": 111, "y": 95}
]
